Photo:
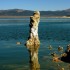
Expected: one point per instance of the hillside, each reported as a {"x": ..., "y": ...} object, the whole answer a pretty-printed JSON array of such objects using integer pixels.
[{"x": 21, "y": 12}]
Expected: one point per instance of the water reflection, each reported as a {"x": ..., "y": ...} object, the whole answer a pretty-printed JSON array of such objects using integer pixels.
[{"x": 34, "y": 63}]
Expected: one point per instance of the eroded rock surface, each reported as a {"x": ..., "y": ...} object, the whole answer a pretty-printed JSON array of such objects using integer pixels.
[
  {"x": 33, "y": 42},
  {"x": 66, "y": 57}
]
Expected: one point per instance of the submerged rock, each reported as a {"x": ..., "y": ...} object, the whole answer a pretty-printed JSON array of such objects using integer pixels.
[
  {"x": 60, "y": 48},
  {"x": 68, "y": 48},
  {"x": 50, "y": 47},
  {"x": 56, "y": 59},
  {"x": 63, "y": 55},
  {"x": 54, "y": 54},
  {"x": 62, "y": 69},
  {"x": 18, "y": 43}
]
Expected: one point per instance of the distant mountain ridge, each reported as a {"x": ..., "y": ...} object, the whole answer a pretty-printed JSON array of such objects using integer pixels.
[{"x": 21, "y": 12}]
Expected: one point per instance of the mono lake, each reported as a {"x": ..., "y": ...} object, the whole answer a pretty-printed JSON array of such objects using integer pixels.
[{"x": 52, "y": 31}]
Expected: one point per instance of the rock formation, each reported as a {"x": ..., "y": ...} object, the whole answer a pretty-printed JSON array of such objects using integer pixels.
[
  {"x": 66, "y": 56},
  {"x": 33, "y": 42}
]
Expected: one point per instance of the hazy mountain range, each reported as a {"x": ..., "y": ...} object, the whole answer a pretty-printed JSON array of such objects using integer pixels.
[{"x": 21, "y": 12}]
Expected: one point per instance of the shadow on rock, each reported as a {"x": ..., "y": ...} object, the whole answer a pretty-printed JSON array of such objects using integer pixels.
[{"x": 66, "y": 56}]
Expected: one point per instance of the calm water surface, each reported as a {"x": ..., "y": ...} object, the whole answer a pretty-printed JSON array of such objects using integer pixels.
[{"x": 52, "y": 31}]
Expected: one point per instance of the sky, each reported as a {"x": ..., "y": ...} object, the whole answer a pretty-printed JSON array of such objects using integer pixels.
[{"x": 41, "y": 5}]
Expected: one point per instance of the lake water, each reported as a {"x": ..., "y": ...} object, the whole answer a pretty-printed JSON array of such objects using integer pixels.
[{"x": 52, "y": 31}]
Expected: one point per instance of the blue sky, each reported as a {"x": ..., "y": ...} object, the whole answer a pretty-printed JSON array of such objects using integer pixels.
[{"x": 35, "y": 4}]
